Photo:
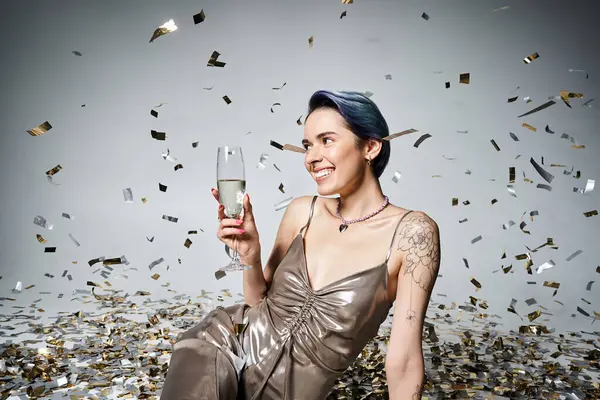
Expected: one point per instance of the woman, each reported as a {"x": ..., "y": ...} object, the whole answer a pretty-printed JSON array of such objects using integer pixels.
[{"x": 318, "y": 302}]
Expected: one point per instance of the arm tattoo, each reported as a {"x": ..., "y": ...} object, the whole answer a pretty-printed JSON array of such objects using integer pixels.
[
  {"x": 419, "y": 240},
  {"x": 418, "y": 392}
]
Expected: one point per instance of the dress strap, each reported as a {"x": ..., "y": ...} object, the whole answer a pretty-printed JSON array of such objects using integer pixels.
[
  {"x": 312, "y": 207},
  {"x": 394, "y": 235}
]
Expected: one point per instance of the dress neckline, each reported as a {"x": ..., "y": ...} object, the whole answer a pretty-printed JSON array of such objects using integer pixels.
[{"x": 338, "y": 281}]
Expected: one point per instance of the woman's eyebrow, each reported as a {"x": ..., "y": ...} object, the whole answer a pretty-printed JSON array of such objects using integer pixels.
[{"x": 320, "y": 135}]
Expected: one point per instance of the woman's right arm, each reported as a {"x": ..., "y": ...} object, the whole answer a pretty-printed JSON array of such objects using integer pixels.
[{"x": 256, "y": 282}]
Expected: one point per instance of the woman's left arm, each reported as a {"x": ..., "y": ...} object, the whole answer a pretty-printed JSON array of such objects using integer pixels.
[{"x": 419, "y": 242}]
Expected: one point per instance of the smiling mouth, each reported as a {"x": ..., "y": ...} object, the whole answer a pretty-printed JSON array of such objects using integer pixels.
[{"x": 321, "y": 178}]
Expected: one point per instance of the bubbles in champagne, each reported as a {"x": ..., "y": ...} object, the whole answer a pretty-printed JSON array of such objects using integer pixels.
[{"x": 231, "y": 196}]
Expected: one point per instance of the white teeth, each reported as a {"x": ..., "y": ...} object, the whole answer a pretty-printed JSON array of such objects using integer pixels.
[{"x": 324, "y": 172}]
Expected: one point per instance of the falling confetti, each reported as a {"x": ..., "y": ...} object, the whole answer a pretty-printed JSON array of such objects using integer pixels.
[
  {"x": 530, "y": 58},
  {"x": 200, "y": 17},
  {"x": 40, "y": 129},
  {"x": 164, "y": 29}
]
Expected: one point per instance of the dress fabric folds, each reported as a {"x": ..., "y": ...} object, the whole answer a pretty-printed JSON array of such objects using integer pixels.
[{"x": 295, "y": 343}]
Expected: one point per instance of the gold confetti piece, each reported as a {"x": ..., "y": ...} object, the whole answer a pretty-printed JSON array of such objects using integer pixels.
[
  {"x": 187, "y": 243},
  {"x": 425, "y": 16},
  {"x": 239, "y": 328},
  {"x": 554, "y": 285},
  {"x": 275, "y": 104},
  {"x": 155, "y": 276},
  {"x": 512, "y": 99},
  {"x": 77, "y": 53},
  {"x": 29, "y": 287},
  {"x": 54, "y": 170},
  {"x": 281, "y": 87},
  {"x": 164, "y": 29},
  {"x": 154, "y": 113},
  {"x": 40, "y": 129},
  {"x": 395, "y": 135},
  {"x": 227, "y": 100},
  {"x": 310, "y": 42},
  {"x": 158, "y": 135},
  {"x": 200, "y": 17},
  {"x": 343, "y": 14},
  {"x": 591, "y": 213},
  {"x": 40, "y": 238},
  {"x": 540, "y": 108},
  {"x": 144, "y": 200},
  {"x": 50, "y": 250},
  {"x": 530, "y": 58},
  {"x": 212, "y": 62},
  {"x": 220, "y": 274},
  {"x": 465, "y": 78},
  {"x": 178, "y": 166},
  {"x": 530, "y": 127},
  {"x": 534, "y": 315},
  {"x": 347, "y": 1},
  {"x": 565, "y": 95},
  {"x": 299, "y": 121},
  {"x": 476, "y": 284},
  {"x": 447, "y": 84}
]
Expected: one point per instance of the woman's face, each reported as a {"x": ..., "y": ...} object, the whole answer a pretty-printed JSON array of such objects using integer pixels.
[{"x": 330, "y": 144}]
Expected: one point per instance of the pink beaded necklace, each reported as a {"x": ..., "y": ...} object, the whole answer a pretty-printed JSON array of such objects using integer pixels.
[{"x": 345, "y": 223}]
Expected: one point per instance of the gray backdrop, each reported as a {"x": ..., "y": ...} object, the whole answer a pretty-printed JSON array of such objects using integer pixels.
[{"x": 106, "y": 146}]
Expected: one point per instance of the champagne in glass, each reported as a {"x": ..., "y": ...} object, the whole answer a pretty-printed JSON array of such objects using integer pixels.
[{"x": 231, "y": 183}]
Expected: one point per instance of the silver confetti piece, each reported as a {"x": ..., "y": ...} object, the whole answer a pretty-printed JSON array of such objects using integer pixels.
[
  {"x": 41, "y": 221},
  {"x": 128, "y": 195},
  {"x": 169, "y": 218},
  {"x": 18, "y": 287},
  {"x": 167, "y": 156},
  {"x": 68, "y": 216},
  {"x": 546, "y": 265},
  {"x": 396, "y": 177},
  {"x": 572, "y": 256},
  {"x": 155, "y": 263},
  {"x": 283, "y": 204},
  {"x": 74, "y": 241}
]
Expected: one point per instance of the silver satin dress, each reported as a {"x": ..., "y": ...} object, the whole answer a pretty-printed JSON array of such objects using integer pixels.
[{"x": 295, "y": 344}]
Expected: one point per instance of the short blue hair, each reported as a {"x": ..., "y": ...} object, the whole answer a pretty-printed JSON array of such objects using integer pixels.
[{"x": 362, "y": 117}]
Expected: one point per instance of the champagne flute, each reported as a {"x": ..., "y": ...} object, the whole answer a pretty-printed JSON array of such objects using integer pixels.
[{"x": 231, "y": 182}]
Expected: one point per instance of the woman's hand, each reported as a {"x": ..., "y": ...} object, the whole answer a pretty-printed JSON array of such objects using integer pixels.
[{"x": 247, "y": 242}]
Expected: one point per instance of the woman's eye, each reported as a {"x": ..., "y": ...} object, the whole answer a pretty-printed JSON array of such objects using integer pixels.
[{"x": 306, "y": 146}]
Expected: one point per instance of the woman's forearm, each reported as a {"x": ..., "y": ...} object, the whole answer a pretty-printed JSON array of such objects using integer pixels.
[
  {"x": 406, "y": 384},
  {"x": 254, "y": 285}
]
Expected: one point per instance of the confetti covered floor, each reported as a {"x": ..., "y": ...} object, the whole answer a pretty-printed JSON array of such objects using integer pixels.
[{"x": 123, "y": 352}]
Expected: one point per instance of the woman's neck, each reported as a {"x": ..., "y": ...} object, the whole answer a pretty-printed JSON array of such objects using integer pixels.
[{"x": 360, "y": 203}]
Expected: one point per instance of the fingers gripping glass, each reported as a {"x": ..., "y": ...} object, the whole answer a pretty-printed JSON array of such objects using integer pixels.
[{"x": 231, "y": 183}]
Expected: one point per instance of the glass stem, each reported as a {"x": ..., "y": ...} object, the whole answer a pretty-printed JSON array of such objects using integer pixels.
[{"x": 235, "y": 253}]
